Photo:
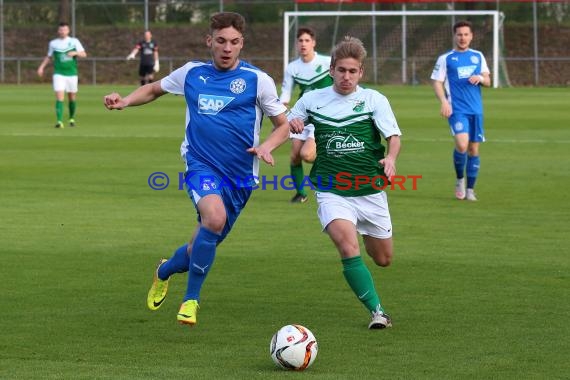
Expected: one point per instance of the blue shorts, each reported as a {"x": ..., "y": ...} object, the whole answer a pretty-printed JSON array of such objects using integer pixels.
[
  {"x": 202, "y": 182},
  {"x": 472, "y": 124}
]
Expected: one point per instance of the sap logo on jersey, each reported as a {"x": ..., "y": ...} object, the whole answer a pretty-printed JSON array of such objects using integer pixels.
[
  {"x": 212, "y": 104},
  {"x": 466, "y": 71}
]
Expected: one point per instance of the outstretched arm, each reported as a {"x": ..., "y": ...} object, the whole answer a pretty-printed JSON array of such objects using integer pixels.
[
  {"x": 278, "y": 136},
  {"x": 142, "y": 95},
  {"x": 133, "y": 54}
]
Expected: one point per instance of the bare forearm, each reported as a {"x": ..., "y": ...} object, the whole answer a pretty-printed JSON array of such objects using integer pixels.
[
  {"x": 279, "y": 135},
  {"x": 445, "y": 108},
  {"x": 486, "y": 81},
  {"x": 394, "y": 145},
  {"x": 439, "y": 91},
  {"x": 389, "y": 162},
  {"x": 44, "y": 62},
  {"x": 142, "y": 95}
]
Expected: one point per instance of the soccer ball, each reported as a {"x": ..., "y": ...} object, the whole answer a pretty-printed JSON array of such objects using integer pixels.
[{"x": 293, "y": 347}]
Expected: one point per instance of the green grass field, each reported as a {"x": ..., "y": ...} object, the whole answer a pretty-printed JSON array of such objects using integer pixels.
[{"x": 477, "y": 290}]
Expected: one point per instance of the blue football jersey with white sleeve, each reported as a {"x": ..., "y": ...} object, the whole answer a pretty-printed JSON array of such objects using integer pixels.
[
  {"x": 454, "y": 69},
  {"x": 224, "y": 114}
]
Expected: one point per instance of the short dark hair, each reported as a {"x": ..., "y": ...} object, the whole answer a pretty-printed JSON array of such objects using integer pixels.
[
  {"x": 224, "y": 20},
  {"x": 307, "y": 30},
  {"x": 63, "y": 23},
  {"x": 461, "y": 24}
]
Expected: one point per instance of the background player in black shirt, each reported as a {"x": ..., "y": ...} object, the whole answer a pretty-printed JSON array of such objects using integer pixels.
[{"x": 149, "y": 58}]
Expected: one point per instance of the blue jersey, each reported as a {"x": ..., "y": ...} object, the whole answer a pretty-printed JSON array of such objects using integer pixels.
[
  {"x": 223, "y": 116},
  {"x": 454, "y": 69}
]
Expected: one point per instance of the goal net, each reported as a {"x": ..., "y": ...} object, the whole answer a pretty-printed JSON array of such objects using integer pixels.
[{"x": 402, "y": 45}]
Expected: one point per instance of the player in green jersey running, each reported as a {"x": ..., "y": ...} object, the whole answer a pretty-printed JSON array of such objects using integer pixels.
[
  {"x": 351, "y": 168},
  {"x": 64, "y": 51},
  {"x": 309, "y": 71}
]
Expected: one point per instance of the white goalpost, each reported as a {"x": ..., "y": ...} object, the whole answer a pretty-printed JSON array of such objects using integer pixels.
[{"x": 290, "y": 19}]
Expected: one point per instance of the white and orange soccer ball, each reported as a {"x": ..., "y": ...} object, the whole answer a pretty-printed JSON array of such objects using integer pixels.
[{"x": 293, "y": 347}]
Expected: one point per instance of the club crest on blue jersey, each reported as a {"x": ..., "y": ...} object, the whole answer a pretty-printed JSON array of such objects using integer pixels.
[
  {"x": 238, "y": 86},
  {"x": 458, "y": 126},
  {"x": 212, "y": 104},
  {"x": 474, "y": 59},
  {"x": 207, "y": 184}
]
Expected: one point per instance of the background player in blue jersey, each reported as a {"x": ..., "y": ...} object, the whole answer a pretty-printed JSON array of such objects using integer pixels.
[
  {"x": 149, "y": 63},
  {"x": 457, "y": 79},
  {"x": 226, "y": 99}
]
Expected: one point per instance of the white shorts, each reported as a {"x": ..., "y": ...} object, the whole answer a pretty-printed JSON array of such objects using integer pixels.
[
  {"x": 369, "y": 213},
  {"x": 65, "y": 83},
  {"x": 308, "y": 133}
]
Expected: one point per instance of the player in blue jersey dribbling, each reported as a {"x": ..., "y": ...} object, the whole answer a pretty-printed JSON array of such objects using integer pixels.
[
  {"x": 457, "y": 79},
  {"x": 226, "y": 100}
]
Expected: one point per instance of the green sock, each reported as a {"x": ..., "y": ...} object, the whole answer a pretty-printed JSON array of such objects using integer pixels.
[
  {"x": 298, "y": 176},
  {"x": 72, "y": 107},
  {"x": 360, "y": 280},
  {"x": 59, "y": 110}
]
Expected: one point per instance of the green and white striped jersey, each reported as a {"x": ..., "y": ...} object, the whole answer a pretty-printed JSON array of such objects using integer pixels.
[
  {"x": 58, "y": 49},
  {"x": 348, "y": 134},
  {"x": 308, "y": 75}
]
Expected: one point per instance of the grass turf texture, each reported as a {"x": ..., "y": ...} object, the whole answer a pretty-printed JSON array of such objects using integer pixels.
[{"x": 476, "y": 290}]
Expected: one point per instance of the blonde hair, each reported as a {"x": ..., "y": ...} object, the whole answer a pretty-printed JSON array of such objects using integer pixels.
[{"x": 349, "y": 47}]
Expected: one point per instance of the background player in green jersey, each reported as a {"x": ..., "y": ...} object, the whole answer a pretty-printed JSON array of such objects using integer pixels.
[
  {"x": 309, "y": 71},
  {"x": 63, "y": 51},
  {"x": 351, "y": 167}
]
